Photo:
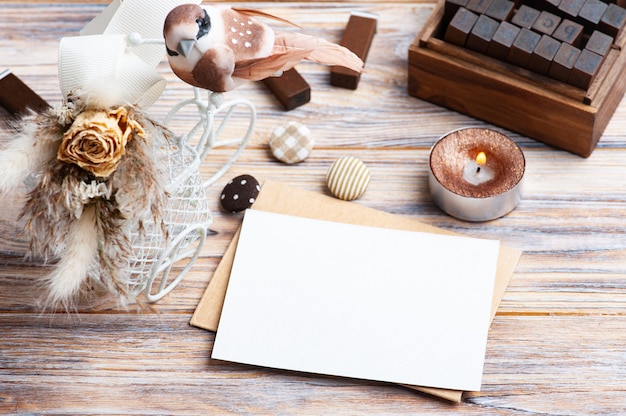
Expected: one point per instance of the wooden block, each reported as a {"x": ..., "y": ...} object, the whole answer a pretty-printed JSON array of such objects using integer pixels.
[
  {"x": 613, "y": 20},
  {"x": 481, "y": 34},
  {"x": 546, "y": 23},
  {"x": 563, "y": 62},
  {"x": 592, "y": 12},
  {"x": 569, "y": 32},
  {"x": 500, "y": 9},
  {"x": 585, "y": 69},
  {"x": 525, "y": 16},
  {"x": 554, "y": 3},
  {"x": 523, "y": 47},
  {"x": 542, "y": 56},
  {"x": 290, "y": 89},
  {"x": 460, "y": 27},
  {"x": 451, "y": 7},
  {"x": 478, "y": 6},
  {"x": 571, "y": 7},
  {"x": 503, "y": 40},
  {"x": 16, "y": 97},
  {"x": 357, "y": 37},
  {"x": 599, "y": 43}
]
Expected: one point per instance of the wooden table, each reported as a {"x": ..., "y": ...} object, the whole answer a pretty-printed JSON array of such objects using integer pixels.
[{"x": 556, "y": 346}]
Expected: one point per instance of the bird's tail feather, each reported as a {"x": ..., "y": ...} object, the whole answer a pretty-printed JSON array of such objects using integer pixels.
[
  {"x": 320, "y": 50},
  {"x": 289, "y": 49},
  {"x": 258, "y": 69}
]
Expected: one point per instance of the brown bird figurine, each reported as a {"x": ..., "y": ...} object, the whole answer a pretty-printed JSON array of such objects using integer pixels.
[{"x": 218, "y": 47}]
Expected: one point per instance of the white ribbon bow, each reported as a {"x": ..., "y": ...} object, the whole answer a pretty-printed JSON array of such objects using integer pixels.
[{"x": 104, "y": 64}]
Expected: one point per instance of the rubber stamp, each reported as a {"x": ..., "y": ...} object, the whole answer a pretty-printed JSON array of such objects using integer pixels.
[
  {"x": 16, "y": 97},
  {"x": 357, "y": 37}
]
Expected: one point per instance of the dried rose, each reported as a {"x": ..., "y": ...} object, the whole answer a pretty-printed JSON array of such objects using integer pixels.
[{"x": 96, "y": 140}]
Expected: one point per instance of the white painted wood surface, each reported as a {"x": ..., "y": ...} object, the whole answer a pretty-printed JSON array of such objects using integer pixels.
[{"x": 556, "y": 346}]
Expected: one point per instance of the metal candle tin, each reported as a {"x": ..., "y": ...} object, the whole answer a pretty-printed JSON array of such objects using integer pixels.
[{"x": 470, "y": 191}]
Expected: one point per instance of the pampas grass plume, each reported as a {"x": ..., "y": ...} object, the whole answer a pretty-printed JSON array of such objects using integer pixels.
[
  {"x": 22, "y": 156},
  {"x": 64, "y": 283}
]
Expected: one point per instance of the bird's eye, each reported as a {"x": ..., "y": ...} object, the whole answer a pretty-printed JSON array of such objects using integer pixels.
[
  {"x": 171, "y": 52},
  {"x": 204, "y": 25}
]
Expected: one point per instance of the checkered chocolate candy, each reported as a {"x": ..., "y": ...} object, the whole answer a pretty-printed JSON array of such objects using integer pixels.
[
  {"x": 291, "y": 142},
  {"x": 348, "y": 178},
  {"x": 240, "y": 193}
]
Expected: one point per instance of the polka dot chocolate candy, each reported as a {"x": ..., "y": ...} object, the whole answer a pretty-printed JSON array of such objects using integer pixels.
[
  {"x": 348, "y": 178},
  {"x": 240, "y": 193}
]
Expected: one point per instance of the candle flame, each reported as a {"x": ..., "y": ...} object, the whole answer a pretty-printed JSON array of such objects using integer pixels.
[{"x": 481, "y": 158}]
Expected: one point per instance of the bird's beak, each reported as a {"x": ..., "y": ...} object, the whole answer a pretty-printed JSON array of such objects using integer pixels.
[{"x": 185, "y": 46}]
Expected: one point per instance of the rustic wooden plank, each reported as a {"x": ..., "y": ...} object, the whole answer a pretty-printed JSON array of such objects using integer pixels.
[{"x": 125, "y": 365}]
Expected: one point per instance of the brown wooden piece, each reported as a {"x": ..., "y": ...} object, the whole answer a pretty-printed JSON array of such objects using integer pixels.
[
  {"x": 478, "y": 6},
  {"x": 544, "y": 53},
  {"x": 357, "y": 37},
  {"x": 523, "y": 47},
  {"x": 592, "y": 12},
  {"x": 525, "y": 16},
  {"x": 571, "y": 7},
  {"x": 585, "y": 69},
  {"x": 291, "y": 89},
  {"x": 546, "y": 23},
  {"x": 503, "y": 40},
  {"x": 613, "y": 20},
  {"x": 17, "y": 97},
  {"x": 481, "y": 34},
  {"x": 500, "y": 9},
  {"x": 569, "y": 32},
  {"x": 451, "y": 8},
  {"x": 563, "y": 62},
  {"x": 599, "y": 43},
  {"x": 460, "y": 27}
]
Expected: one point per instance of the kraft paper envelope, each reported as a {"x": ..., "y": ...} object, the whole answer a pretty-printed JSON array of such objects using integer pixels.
[{"x": 278, "y": 198}]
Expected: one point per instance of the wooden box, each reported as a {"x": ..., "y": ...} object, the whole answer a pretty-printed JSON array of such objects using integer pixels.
[{"x": 514, "y": 98}]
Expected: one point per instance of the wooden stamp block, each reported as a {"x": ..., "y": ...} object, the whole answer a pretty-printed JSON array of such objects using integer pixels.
[
  {"x": 357, "y": 37},
  {"x": 478, "y": 6},
  {"x": 290, "y": 89},
  {"x": 525, "y": 16},
  {"x": 451, "y": 7},
  {"x": 585, "y": 69},
  {"x": 613, "y": 20},
  {"x": 460, "y": 27},
  {"x": 523, "y": 47},
  {"x": 541, "y": 58},
  {"x": 17, "y": 97},
  {"x": 500, "y": 9},
  {"x": 592, "y": 12},
  {"x": 482, "y": 34},
  {"x": 546, "y": 23},
  {"x": 599, "y": 43},
  {"x": 571, "y": 7},
  {"x": 563, "y": 62},
  {"x": 503, "y": 40},
  {"x": 569, "y": 32}
]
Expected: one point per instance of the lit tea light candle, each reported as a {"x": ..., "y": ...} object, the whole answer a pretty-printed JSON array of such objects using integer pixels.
[{"x": 476, "y": 174}]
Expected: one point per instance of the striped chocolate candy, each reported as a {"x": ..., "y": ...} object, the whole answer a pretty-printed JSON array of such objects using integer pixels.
[{"x": 348, "y": 178}]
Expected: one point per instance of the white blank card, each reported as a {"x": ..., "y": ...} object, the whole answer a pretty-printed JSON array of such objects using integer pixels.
[{"x": 357, "y": 301}]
